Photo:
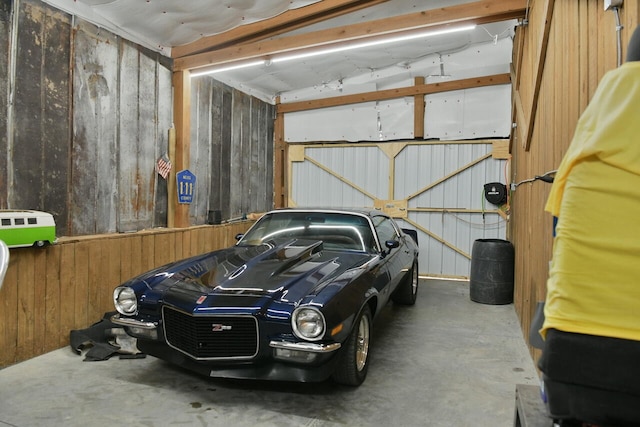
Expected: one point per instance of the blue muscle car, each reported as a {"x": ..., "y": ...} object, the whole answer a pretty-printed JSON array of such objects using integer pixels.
[{"x": 293, "y": 300}]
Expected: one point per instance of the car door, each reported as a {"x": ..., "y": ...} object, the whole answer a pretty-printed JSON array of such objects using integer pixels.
[{"x": 393, "y": 259}]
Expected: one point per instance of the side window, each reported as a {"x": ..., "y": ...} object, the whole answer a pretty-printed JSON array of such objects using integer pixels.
[
  {"x": 6, "y": 221},
  {"x": 19, "y": 221},
  {"x": 385, "y": 229},
  {"x": 32, "y": 220}
]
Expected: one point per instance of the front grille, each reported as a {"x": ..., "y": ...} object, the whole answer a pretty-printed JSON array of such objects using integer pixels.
[{"x": 211, "y": 337}]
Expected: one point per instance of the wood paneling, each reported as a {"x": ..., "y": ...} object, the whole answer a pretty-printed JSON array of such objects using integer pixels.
[
  {"x": 90, "y": 115},
  {"x": 5, "y": 31},
  {"x": 41, "y": 89},
  {"x": 580, "y": 48},
  {"x": 49, "y": 292},
  {"x": 231, "y": 151}
]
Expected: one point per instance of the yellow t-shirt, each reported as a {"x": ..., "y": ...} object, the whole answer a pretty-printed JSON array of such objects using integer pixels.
[{"x": 594, "y": 282}]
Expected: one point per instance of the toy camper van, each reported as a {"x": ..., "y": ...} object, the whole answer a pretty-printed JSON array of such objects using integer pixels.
[{"x": 22, "y": 228}]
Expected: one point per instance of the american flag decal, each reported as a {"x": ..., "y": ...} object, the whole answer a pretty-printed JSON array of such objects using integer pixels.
[{"x": 163, "y": 166}]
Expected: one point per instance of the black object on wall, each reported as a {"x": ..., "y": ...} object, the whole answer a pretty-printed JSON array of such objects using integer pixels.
[{"x": 495, "y": 193}]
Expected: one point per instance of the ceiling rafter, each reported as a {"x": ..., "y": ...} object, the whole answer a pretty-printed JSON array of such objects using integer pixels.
[
  {"x": 283, "y": 23},
  {"x": 380, "y": 95},
  {"x": 480, "y": 12}
]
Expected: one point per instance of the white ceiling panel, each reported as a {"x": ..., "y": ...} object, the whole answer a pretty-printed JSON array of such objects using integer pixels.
[{"x": 163, "y": 24}]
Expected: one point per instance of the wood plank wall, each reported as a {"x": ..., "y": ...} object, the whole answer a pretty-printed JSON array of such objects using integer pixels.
[
  {"x": 5, "y": 30},
  {"x": 90, "y": 115},
  {"x": 580, "y": 48},
  {"x": 231, "y": 151},
  {"x": 49, "y": 292}
]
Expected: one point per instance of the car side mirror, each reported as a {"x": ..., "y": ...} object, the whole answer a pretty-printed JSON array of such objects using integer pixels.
[
  {"x": 391, "y": 244},
  {"x": 239, "y": 236}
]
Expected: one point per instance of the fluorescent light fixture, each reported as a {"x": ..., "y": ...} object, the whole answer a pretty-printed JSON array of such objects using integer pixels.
[
  {"x": 376, "y": 42},
  {"x": 306, "y": 53},
  {"x": 229, "y": 68}
]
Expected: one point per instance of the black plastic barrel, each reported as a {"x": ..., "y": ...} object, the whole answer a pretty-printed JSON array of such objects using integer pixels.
[{"x": 491, "y": 277}]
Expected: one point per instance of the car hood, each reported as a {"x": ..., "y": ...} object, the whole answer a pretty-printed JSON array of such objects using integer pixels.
[{"x": 247, "y": 276}]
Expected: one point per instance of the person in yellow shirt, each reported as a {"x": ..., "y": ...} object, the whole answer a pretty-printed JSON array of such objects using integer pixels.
[
  {"x": 594, "y": 283},
  {"x": 592, "y": 309}
]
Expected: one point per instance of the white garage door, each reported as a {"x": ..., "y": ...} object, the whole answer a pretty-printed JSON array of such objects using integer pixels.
[{"x": 435, "y": 187}]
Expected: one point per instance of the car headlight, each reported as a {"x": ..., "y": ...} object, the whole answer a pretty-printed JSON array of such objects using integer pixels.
[
  {"x": 308, "y": 323},
  {"x": 124, "y": 298}
]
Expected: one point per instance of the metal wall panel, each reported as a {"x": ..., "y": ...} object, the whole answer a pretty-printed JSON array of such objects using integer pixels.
[
  {"x": 340, "y": 176},
  {"x": 437, "y": 185}
]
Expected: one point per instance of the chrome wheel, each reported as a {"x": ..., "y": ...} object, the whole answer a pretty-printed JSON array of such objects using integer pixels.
[
  {"x": 353, "y": 364},
  {"x": 414, "y": 281},
  {"x": 362, "y": 343}
]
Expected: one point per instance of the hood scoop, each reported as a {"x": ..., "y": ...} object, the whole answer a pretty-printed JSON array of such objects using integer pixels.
[{"x": 296, "y": 252}]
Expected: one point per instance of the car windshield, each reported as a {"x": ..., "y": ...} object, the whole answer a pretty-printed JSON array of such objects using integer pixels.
[{"x": 338, "y": 231}]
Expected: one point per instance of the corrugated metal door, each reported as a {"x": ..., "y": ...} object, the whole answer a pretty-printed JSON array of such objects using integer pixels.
[{"x": 435, "y": 187}]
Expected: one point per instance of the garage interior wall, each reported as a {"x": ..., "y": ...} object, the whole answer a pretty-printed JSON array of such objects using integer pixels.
[
  {"x": 87, "y": 114},
  {"x": 559, "y": 58},
  {"x": 84, "y": 116}
]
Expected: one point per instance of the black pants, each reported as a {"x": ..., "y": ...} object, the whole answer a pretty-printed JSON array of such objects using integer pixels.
[{"x": 591, "y": 378}]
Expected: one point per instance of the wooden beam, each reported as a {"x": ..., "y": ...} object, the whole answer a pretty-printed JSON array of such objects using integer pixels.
[
  {"x": 280, "y": 154},
  {"x": 418, "y": 111},
  {"x": 436, "y": 237},
  {"x": 538, "y": 71},
  {"x": 449, "y": 175},
  {"x": 341, "y": 178},
  {"x": 283, "y": 23},
  {"x": 182, "y": 123},
  {"x": 481, "y": 12},
  {"x": 417, "y": 90},
  {"x": 172, "y": 195}
]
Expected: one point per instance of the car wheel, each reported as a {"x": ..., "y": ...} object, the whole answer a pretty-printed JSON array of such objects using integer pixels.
[
  {"x": 407, "y": 291},
  {"x": 354, "y": 361}
]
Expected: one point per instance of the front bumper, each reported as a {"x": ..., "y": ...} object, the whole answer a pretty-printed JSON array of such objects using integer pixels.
[
  {"x": 288, "y": 361},
  {"x": 137, "y": 328},
  {"x": 305, "y": 347},
  {"x": 263, "y": 369},
  {"x": 134, "y": 323}
]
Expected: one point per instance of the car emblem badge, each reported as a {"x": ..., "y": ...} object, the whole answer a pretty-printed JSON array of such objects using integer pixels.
[
  {"x": 201, "y": 299},
  {"x": 217, "y": 327}
]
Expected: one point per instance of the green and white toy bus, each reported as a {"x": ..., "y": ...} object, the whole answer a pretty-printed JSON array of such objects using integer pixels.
[{"x": 22, "y": 228}]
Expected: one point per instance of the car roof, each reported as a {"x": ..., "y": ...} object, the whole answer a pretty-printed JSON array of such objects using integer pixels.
[{"x": 358, "y": 211}]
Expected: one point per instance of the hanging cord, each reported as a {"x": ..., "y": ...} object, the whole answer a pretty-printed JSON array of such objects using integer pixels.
[
  {"x": 482, "y": 198},
  {"x": 619, "y": 27},
  {"x": 546, "y": 177},
  {"x": 507, "y": 181}
]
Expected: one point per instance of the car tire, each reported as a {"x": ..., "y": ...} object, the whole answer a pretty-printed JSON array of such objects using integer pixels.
[
  {"x": 407, "y": 291},
  {"x": 354, "y": 360}
]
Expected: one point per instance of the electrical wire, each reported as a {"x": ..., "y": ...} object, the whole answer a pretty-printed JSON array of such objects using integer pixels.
[
  {"x": 507, "y": 183},
  {"x": 495, "y": 37},
  {"x": 482, "y": 224},
  {"x": 619, "y": 27},
  {"x": 546, "y": 177}
]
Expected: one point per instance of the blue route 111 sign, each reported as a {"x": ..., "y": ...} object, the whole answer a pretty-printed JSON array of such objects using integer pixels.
[{"x": 186, "y": 185}]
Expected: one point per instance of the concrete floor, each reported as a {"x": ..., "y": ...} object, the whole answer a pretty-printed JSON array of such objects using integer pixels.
[{"x": 447, "y": 361}]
